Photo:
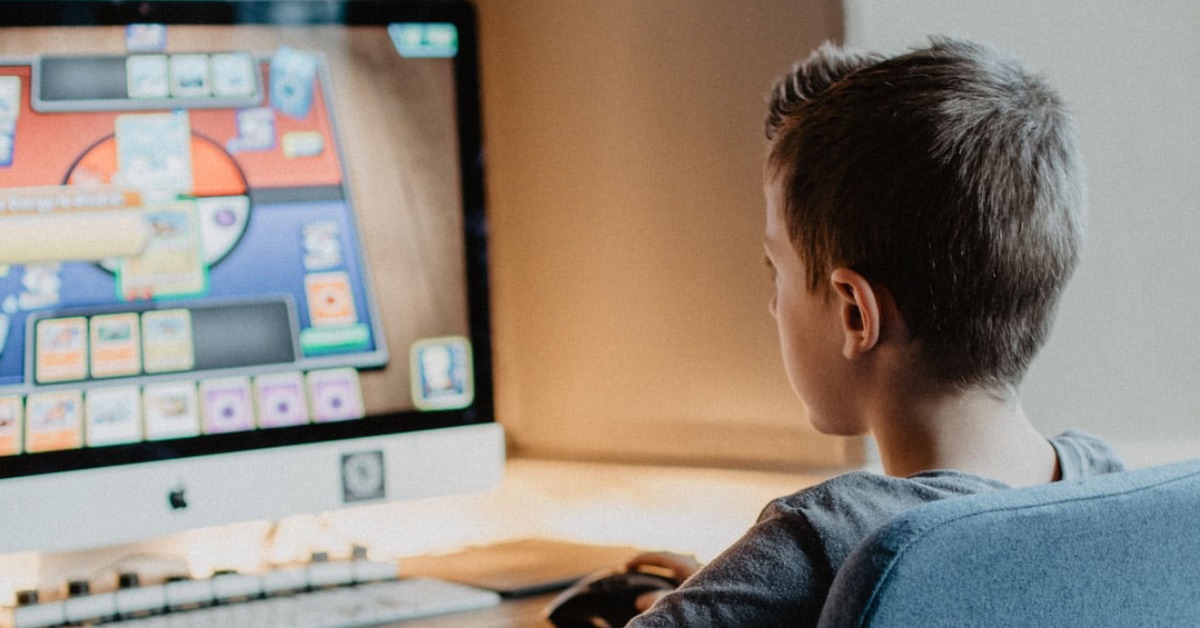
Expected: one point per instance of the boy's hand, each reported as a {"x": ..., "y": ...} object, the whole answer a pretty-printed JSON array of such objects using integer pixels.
[{"x": 677, "y": 566}]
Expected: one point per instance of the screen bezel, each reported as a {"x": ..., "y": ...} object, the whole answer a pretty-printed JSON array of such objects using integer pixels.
[{"x": 284, "y": 13}]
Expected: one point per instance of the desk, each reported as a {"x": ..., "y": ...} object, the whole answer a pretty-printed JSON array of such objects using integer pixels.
[
  {"x": 522, "y": 612},
  {"x": 687, "y": 510},
  {"x": 699, "y": 511},
  {"x": 518, "y": 565}
]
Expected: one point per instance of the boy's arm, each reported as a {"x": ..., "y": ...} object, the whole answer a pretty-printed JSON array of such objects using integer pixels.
[
  {"x": 773, "y": 575},
  {"x": 677, "y": 566},
  {"x": 780, "y": 571}
]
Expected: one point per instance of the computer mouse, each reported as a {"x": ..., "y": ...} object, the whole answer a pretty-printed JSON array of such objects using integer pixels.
[{"x": 605, "y": 599}]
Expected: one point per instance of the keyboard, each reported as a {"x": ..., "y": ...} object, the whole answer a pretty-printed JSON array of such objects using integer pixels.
[{"x": 225, "y": 606}]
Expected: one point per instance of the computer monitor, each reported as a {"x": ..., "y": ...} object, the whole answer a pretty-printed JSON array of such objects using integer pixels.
[{"x": 242, "y": 264}]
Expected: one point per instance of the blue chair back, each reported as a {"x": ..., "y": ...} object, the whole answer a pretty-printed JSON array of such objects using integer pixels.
[{"x": 1121, "y": 549}]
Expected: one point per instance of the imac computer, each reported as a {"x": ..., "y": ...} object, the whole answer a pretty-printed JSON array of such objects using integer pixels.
[{"x": 242, "y": 264}]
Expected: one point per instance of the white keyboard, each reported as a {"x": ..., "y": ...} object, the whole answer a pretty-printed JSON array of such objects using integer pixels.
[{"x": 368, "y": 604}]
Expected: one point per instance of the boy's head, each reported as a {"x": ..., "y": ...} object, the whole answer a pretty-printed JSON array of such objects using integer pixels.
[{"x": 950, "y": 177}]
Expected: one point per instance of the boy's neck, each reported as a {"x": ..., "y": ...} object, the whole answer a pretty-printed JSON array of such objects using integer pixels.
[{"x": 977, "y": 432}]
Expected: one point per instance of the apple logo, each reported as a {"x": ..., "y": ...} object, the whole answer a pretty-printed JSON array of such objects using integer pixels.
[
  {"x": 363, "y": 476},
  {"x": 178, "y": 498}
]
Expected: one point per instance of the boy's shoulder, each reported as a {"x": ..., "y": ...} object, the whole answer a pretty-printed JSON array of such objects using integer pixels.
[
  {"x": 1081, "y": 454},
  {"x": 831, "y": 518},
  {"x": 841, "y": 511},
  {"x": 873, "y": 497}
]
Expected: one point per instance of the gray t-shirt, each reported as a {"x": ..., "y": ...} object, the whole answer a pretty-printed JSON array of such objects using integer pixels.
[{"x": 780, "y": 571}]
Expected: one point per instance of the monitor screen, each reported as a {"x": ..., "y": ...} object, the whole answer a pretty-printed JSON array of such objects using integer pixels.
[{"x": 239, "y": 233}]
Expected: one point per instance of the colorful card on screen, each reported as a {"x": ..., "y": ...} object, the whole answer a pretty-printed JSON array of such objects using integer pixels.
[
  {"x": 116, "y": 347},
  {"x": 12, "y": 418},
  {"x": 233, "y": 74},
  {"x": 280, "y": 399},
  {"x": 226, "y": 405},
  {"x": 171, "y": 264},
  {"x": 190, "y": 76},
  {"x": 146, "y": 76},
  {"x": 54, "y": 421},
  {"x": 292, "y": 75},
  {"x": 114, "y": 415},
  {"x": 61, "y": 349},
  {"x": 336, "y": 395},
  {"x": 167, "y": 343},
  {"x": 154, "y": 151},
  {"x": 171, "y": 410}
]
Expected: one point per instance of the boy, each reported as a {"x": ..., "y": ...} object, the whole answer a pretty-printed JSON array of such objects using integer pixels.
[{"x": 924, "y": 213}]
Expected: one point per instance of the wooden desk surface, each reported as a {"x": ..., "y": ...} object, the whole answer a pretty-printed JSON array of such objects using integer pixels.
[{"x": 516, "y": 565}]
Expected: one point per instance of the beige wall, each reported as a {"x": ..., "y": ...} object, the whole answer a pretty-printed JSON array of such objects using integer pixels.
[{"x": 630, "y": 305}]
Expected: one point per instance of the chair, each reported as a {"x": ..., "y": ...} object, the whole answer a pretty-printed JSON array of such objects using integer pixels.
[{"x": 1121, "y": 549}]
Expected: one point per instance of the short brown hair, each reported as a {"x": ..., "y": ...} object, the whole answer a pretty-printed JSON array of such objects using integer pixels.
[{"x": 948, "y": 174}]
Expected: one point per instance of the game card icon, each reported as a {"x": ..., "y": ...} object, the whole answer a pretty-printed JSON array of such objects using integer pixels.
[
  {"x": 116, "y": 344},
  {"x": 167, "y": 343},
  {"x": 170, "y": 263},
  {"x": 10, "y": 108},
  {"x": 442, "y": 375},
  {"x": 226, "y": 405},
  {"x": 256, "y": 130},
  {"x": 113, "y": 415},
  {"x": 303, "y": 144},
  {"x": 40, "y": 286},
  {"x": 322, "y": 245},
  {"x": 280, "y": 399},
  {"x": 61, "y": 350},
  {"x": 154, "y": 151},
  {"x": 424, "y": 40},
  {"x": 54, "y": 421},
  {"x": 145, "y": 37},
  {"x": 292, "y": 75},
  {"x": 171, "y": 410},
  {"x": 233, "y": 74},
  {"x": 190, "y": 76},
  {"x": 12, "y": 419},
  {"x": 147, "y": 76},
  {"x": 10, "y": 98},
  {"x": 6, "y": 149},
  {"x": 335, "y": 395},
  {"x": 330, "y": 300}
]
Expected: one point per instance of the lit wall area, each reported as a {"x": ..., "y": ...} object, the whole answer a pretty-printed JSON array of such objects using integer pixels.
[{"x": 625, "y": 151}]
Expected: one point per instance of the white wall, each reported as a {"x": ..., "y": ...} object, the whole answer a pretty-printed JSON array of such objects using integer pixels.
[{"x": 1124, "y": 360}]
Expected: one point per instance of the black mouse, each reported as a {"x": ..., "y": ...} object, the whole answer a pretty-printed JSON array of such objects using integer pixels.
[{"x": 605, "y": 599}]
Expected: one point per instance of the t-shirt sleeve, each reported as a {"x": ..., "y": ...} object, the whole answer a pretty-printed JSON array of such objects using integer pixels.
[
  {"x": 1082, "y": 455},
  {"x": 767, "y": 578},
  {"x": 780, "y": 571}
]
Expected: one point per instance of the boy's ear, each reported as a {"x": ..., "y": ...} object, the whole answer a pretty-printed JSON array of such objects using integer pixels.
[{"x": 858, "y": 304}]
